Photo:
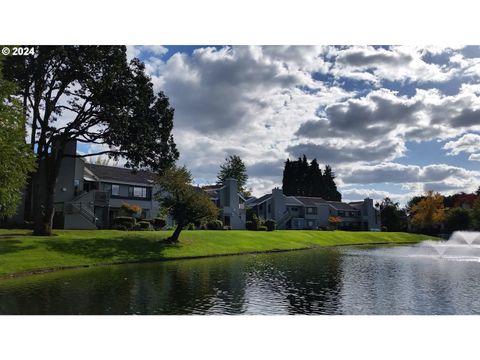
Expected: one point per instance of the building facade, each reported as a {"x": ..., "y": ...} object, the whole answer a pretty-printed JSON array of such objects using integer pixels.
[
  {"x": 230, "y": 202},
  {"x": 89, "y": 196},
  {"x": 303, "y": 212}
]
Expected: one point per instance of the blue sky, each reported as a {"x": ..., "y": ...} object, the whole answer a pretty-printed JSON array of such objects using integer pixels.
[{"x": 391, "y": 120}]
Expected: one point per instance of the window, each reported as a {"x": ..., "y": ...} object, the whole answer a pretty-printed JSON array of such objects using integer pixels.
[
  {"x": 137, "y": 191},
  {"x": 341, "y": 213},
  {"x": 310, "y": 223},
  {"x": 294, "y": 208},
  {"x": 311, "y": 210},
  {"x": 115, "y": 190},
  {"x": 269, "y": 208}
]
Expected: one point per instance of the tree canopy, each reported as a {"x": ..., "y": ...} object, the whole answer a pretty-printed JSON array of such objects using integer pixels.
[
  {"x": 393, "y": 218},
  {"x": 93, "y": 95},
  {"x": 458, "y": 219},
  {"x": 429, "y": 211},
  {"x": 234, "y": 168},
  {"x": 16, "y": 158},
  {"x": 303, "y": 179},
  {"x": 184, "y": 202}
]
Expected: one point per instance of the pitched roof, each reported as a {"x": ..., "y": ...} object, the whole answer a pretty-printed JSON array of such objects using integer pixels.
[
  {"x": 260, "y": 200},
  {"x": 342, "y": 206},
  {"x": 113, "y": 173},
  {"x": 292, "y": 201},
  {"x": 310, "y": 200},
  {"x": 212, "y": 187}
]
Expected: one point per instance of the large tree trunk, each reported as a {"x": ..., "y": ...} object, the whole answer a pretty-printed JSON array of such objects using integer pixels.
[
  {"x": 44, "y": 206},
  {"x": 176, "y": 233}
]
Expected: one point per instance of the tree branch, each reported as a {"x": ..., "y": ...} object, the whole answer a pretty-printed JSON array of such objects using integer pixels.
[{"x": 99, "y": 153}]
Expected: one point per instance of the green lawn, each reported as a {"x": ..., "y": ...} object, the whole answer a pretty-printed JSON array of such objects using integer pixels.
[{"x": 21, "y": 252}]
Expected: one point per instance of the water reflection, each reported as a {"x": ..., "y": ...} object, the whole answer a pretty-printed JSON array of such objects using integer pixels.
[{"x": 328, "y": 281}]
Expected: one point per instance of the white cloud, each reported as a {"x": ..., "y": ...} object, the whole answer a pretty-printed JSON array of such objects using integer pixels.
[
  {"x": 395, "y": 63},
  {"x": 267, "y": 103},
  {"x": 438, "y": 177},
  {"x": 474, "y": 157},
  {"x": 356, "y": 194},
  {"x": 469, "y": 143},
  {"x": 243, "y": 100}
]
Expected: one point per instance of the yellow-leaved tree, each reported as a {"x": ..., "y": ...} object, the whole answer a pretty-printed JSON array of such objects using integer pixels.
[{"x": 428, "y": 212}]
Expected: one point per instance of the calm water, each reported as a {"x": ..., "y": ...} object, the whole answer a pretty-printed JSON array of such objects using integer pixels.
[{"x": 384, "y": 280}]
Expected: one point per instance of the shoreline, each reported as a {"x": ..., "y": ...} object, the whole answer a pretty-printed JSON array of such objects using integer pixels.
[{"x": 28, "y": 273}]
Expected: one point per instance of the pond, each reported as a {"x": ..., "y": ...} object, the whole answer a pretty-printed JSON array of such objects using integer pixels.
[{"x": 353, "y": 280}]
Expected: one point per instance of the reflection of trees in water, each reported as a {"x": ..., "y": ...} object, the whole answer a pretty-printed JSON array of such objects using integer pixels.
[
  {"x": 191, "y": 286},
  {"x": 295, "y": 282},
  {"x": 312, "y": 281}
]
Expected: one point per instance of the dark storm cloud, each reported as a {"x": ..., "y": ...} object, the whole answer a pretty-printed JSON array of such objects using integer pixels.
[{"x": 341, "y": 154}]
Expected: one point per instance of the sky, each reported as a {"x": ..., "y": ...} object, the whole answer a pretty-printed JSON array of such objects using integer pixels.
[{"x": 391, "y": 120}]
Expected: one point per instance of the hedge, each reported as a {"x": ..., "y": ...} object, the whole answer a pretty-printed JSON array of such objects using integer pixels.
[
  {"x": 143, "y": 226},
  {"x": 124, "y": 223},
  {"x": 270, "y": 224},
  {"x": 215, "y": 225}
]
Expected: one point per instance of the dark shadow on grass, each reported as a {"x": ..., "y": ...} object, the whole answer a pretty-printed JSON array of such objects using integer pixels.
[
  {"x": 10, "y": 235},
  {"x": 12, "y": 246},
  {"x": 123, "y": 249}
]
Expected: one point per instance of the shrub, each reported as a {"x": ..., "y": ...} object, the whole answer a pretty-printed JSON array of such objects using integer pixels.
[
  {"x": 125, "y": 222},
  {"x": 130, "y": 209},
  {"x": 120, "y": 227},
  {"x": 334, "y": 221},
  {"x": 158, "y": 223},
  {"x": 270, "y": 224},
  {"x": 254, "y": 223},
  {"x": 262, "y": 228},
  {"x": 215, "y": 225},
  {"x": 227, "y": 227},
  {"x": 203, "y": 227},
  {"x": 143, "y": 226},
  {"x": 190, "y": 226}
]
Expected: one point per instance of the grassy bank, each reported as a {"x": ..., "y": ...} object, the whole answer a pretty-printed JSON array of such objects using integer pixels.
[{"x": 22, "y": 253}]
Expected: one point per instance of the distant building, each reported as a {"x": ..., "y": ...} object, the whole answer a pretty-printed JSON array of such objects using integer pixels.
[
  {"x": 465, "y": 201},
  {"x": 230, "y": 202},
  {"x": 304, "y": 212}
]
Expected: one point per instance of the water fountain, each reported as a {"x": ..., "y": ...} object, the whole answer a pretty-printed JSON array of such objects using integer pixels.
[
  {"x": 465, "y": 237},
  {"x": 462, "y": 245}
]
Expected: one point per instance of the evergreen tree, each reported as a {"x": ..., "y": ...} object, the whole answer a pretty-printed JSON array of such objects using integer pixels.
[
  {"x": 287, "y": 182},
  {"x": 331, "y": 192},
  {"x": 303, "y": 179},
  {"x": 317, "y": 187},
  {"x": 234, "y": 168}
]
